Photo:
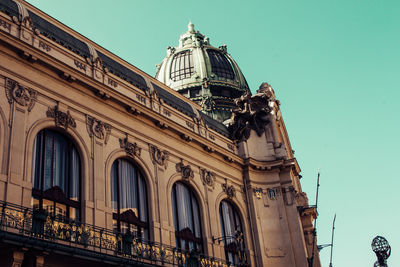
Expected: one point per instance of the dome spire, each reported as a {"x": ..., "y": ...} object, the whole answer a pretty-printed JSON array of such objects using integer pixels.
[{"x": 191, "y": 27}]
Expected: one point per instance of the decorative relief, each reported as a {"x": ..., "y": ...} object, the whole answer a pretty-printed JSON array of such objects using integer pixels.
[
  {"x": 98, "y": 128},
  {"x": 231, "y": 147},
  {"x": 185, "y": 170},
  {"x": 94, "y": 57},
  {"x": 131, "y": 149},
  {"x": 190, "y": 125},
  {"x": 24, "y": 96},
  {"x": 24, "y": 18},
  {"x": 5, "y": 25},
  {"x": 228, "y": 189},
  {"x": 207, "y": 177},
  {"x": 288, "y": 195},
  {"x": 273, "y": 193},
  {"x": 61, "y": 119},
  {"x": 258, "y": 192},
  {"x": 80, "y": 65},
  {"x": 158, "y": 156},
  {"x": 44, "y": 46},
  {"x": 251, "y": 113}
]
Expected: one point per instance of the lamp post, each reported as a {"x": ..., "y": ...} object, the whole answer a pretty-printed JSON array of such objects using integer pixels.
[{"x": 382, "y": 250}]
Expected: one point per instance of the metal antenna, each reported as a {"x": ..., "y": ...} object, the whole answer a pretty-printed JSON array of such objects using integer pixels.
[
  {"x": 333, "y": 232},
  {"x": 311, "y": 260}
]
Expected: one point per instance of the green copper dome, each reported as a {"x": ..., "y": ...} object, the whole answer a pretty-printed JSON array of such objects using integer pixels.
[{"x": 205, "y": 74}]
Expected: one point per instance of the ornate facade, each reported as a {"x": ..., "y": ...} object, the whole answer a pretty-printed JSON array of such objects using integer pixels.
[{"x": 101, "y": 164}]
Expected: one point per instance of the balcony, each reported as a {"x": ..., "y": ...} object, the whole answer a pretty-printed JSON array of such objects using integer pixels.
[{"x": 36, "y": 229}]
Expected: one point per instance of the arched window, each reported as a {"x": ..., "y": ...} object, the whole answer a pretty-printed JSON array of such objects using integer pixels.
[
  {"x": 129, "y": 199},
  {"x": 56, "y": 175},
  {"x": 232, "y": 233},
  {"x": 220, "y": 64},
  {"x": 186, "y": 218},
  {"x": 182, "y": 66}
]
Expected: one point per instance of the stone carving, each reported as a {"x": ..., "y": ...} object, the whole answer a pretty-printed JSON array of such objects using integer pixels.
[
  {"x": 207, "y": 103},
  {"x": 131, "y": 149},
  {"x": 207, "y": 177},
  {"x": 24, "y": 96},
  {"x": 98, "y": 128},
  {"x": 273, "y": 193},
  {"x": 229, "y": 190},
  {"x": 158, "y": 156},
  {"x": 251, "y": 113},
  {"x": 24, "y": 18},
  {"x": 94, "y": 57},
  {"x": 61, "y": 119},
  {"x": 185, "y": 170}
]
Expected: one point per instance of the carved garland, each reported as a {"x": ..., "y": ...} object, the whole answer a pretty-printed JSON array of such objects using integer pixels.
[
  {"x": 207, "y": 177},
  {"x": 157, "y": 156},
  {"x": 98, "y": 128},
  {"x": 24, "y": 96},
  {"x": 131, "y": 149},
  {"x": 61, "y": 119},
  {"x": 185, "y": 170}
]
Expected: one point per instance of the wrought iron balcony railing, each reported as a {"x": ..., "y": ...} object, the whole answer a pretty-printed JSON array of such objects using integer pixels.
[{"x": 38, "y": 225}]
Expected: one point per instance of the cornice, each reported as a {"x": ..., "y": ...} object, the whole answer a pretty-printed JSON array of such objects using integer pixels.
[{"x": 274, "y": 165}]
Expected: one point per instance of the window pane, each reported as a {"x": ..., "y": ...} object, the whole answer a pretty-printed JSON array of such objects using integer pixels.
[
  {"x": 186, "y": 216},
  {"x": 48, "y": 206},
  {"x": 56, "y": 162},
  {"x": 74, "y": 214},
  {"x": 127, "y": 187},
  {"x": 74, "y": 175},
  {"x": 35, "y": 203},
  {"x": 128, "y": 193},
  {"x": 142, "y": 199},
  {"x": 184, "y": 207},
  {"x": 196, "y": 217},
  {"x": 61, "y": 210},
  {"x": 114, "y": 185},
  {"x": 60, "y": 159},
  {"x": 48, "y": 162},
  {"x": 220, "y": 65},
  {"x": 182, "y": 66}
]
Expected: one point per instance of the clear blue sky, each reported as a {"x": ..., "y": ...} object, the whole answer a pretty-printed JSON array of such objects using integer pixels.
[{"x": 335, "y": 67}]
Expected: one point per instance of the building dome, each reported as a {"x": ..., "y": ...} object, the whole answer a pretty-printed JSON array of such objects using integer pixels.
[{"x": 203, "y": 73}]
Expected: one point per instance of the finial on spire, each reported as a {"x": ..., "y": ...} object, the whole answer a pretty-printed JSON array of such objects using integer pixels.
[{"x": 191, "y": 27}]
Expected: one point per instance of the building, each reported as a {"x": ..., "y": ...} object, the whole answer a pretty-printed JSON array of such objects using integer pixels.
[{"x": 103, "y": 165}]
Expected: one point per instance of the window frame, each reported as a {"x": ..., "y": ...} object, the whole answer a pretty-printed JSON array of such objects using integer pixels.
[
  {"x": 55, "y": 193},
  {"x": 182, "y": 66},
  {"x": 186, "y": 234},
  {"x": 128, "y": 217},
  {"x": 237, "y": 250}
]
